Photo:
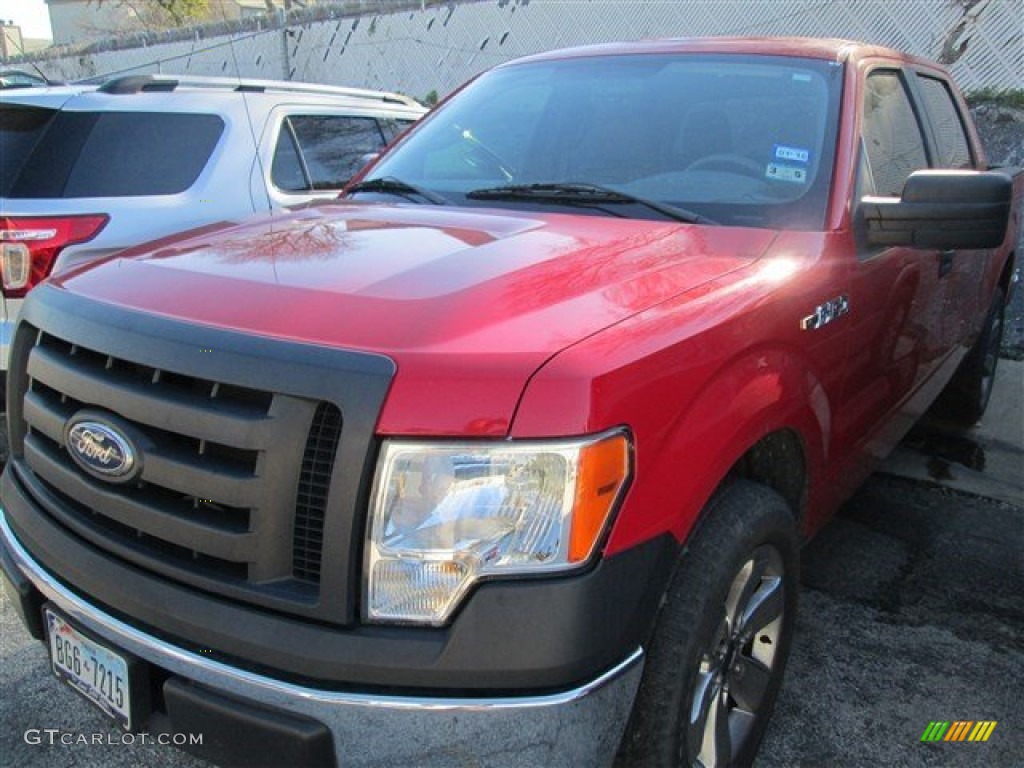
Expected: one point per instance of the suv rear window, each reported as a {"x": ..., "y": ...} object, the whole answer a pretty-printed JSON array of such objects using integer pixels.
[
  {"x": 118, "y": 154},
  {"x": 20, "y": 129}
]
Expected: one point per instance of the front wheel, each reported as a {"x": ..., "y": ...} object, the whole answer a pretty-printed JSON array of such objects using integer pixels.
[{"x": 716, "y": 659}]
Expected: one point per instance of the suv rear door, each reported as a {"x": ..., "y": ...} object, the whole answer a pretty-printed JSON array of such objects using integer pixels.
[{"x": 131, "y": 165}]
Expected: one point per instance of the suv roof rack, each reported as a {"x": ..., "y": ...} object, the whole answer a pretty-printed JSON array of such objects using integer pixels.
[{"x": 128, "y": 84}]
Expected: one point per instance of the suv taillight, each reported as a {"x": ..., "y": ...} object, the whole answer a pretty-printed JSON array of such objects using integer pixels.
[{"x": 29, "y": 246}]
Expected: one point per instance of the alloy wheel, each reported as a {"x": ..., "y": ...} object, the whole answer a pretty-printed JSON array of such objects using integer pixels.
[{"x": 736, "y": 668}]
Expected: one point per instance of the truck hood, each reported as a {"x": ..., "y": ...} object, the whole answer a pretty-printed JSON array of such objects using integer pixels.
[{"x": 468, "y": 303}]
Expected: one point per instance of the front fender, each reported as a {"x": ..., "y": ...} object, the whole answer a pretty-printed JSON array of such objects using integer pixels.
[
  {"x": 700, "y": 379},
  {"x": 757, "y": 393},
  {"x": 691, "y": 422}
]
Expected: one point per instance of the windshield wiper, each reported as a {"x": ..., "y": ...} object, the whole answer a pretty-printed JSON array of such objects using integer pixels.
[
  {"x": 391, "y": 186},
  {"x": 580, "y": 193}
]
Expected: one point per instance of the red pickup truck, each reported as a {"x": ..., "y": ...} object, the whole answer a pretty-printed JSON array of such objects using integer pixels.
[{"x": 507, "y": 459}]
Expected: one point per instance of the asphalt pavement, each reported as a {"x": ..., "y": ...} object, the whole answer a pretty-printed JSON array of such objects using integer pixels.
[
  {"x": 912, "y": 606},
  {"x": 912, "y": 611}
]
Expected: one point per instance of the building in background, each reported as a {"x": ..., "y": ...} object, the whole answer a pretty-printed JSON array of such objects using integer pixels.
[
  {"x": 241, "y": 9},
  {"x": 230, "y": 10},
  {"x": 11, "y": 42}
]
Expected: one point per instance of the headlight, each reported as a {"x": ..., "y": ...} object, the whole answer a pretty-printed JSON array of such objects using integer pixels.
[{"x": 444, "y": 516}]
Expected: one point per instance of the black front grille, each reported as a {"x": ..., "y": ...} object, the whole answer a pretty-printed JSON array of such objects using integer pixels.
[
  {"x": 240, "y": 492},
  {"x": 201, "y": 503},
  {"x": 314, "y": 484}
]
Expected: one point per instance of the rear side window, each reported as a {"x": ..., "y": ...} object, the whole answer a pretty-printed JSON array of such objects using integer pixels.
[
  {"x": 892, "y": 135},
  {"x": 393, "y": 127},
  {"x": 288, "y": 171},
  {"x": 954, "y": 152},
  {"x": 119, "y": 154},
  {"x": 323, "y": 152},
  {"x": 20, "y": 129}
]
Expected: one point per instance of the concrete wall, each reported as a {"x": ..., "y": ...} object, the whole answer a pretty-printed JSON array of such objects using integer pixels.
[{"x": 423, "y": 46}]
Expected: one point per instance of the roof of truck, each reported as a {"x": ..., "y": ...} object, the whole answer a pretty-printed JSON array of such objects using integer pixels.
[{"x": 807, "y": 47}]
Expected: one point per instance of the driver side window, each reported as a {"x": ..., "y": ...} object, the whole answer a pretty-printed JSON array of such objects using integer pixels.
[{"x": 893, "y": 143}]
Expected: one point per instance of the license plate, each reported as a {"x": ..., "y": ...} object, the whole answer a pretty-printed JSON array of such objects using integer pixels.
[{"x": 95, "y": 671}]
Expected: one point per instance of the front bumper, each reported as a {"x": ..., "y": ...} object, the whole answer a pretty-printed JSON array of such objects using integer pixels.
[{"x": 581, "y": 726}]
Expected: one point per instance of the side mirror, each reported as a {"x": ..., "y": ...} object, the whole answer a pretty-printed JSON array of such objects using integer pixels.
[{"x": 942, "y": 209}]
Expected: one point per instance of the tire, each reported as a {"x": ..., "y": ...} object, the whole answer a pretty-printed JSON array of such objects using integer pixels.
[
  {"x": 966, "y": 397},
  {"x": 703, "y": 651}
]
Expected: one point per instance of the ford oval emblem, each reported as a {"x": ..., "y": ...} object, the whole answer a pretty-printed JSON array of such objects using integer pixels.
[{"x": 102, "y": 449}]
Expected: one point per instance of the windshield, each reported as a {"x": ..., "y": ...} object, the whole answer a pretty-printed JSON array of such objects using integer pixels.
[{"x": 741, "y": 140}]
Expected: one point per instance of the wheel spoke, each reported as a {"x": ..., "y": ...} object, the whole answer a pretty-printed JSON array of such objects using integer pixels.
[
  {"x": 703, "y": 697},
  {"x": 748, "y": 683},
  {"x": 744, "y": 585},
  {"x": 714, "y": 739},
  {"x": 718, "y": 739},
  {"x": 741, "y": 724},
  {"x": 765, "y": 605}
]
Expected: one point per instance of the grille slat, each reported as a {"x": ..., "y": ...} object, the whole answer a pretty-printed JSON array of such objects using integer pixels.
[
  {"x": 170, "y": 409},
  {"x": 228, "y": 488},
  {"x": 121, "y": 539},
  {"x": 187, "y": 472},
  {"x": 207, "y": 534},
  {"x": 44, "y": 418}
]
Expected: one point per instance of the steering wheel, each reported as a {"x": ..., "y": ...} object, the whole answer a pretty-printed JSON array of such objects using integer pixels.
[{"x": 728, "y": 161}]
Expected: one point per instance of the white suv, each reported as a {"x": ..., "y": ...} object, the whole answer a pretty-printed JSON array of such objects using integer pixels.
[{"x": 89, "y": 170}]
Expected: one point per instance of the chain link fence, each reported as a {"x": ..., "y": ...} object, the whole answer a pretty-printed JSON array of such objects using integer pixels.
[{"x": 418, "y": 47}]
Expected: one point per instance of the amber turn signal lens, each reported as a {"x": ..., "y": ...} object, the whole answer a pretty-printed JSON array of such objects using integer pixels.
[{"x": 603, "y": 472}]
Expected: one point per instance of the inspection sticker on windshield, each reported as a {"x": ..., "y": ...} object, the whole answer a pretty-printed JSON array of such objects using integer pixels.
[
  {"x": 786, "y": 173},
  {"x": 794, "y": 154}
]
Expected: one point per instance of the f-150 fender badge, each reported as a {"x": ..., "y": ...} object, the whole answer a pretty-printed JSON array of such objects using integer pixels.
[
  {"x": 102, "y": 448},
  {"x": 825, "y": 313}
]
